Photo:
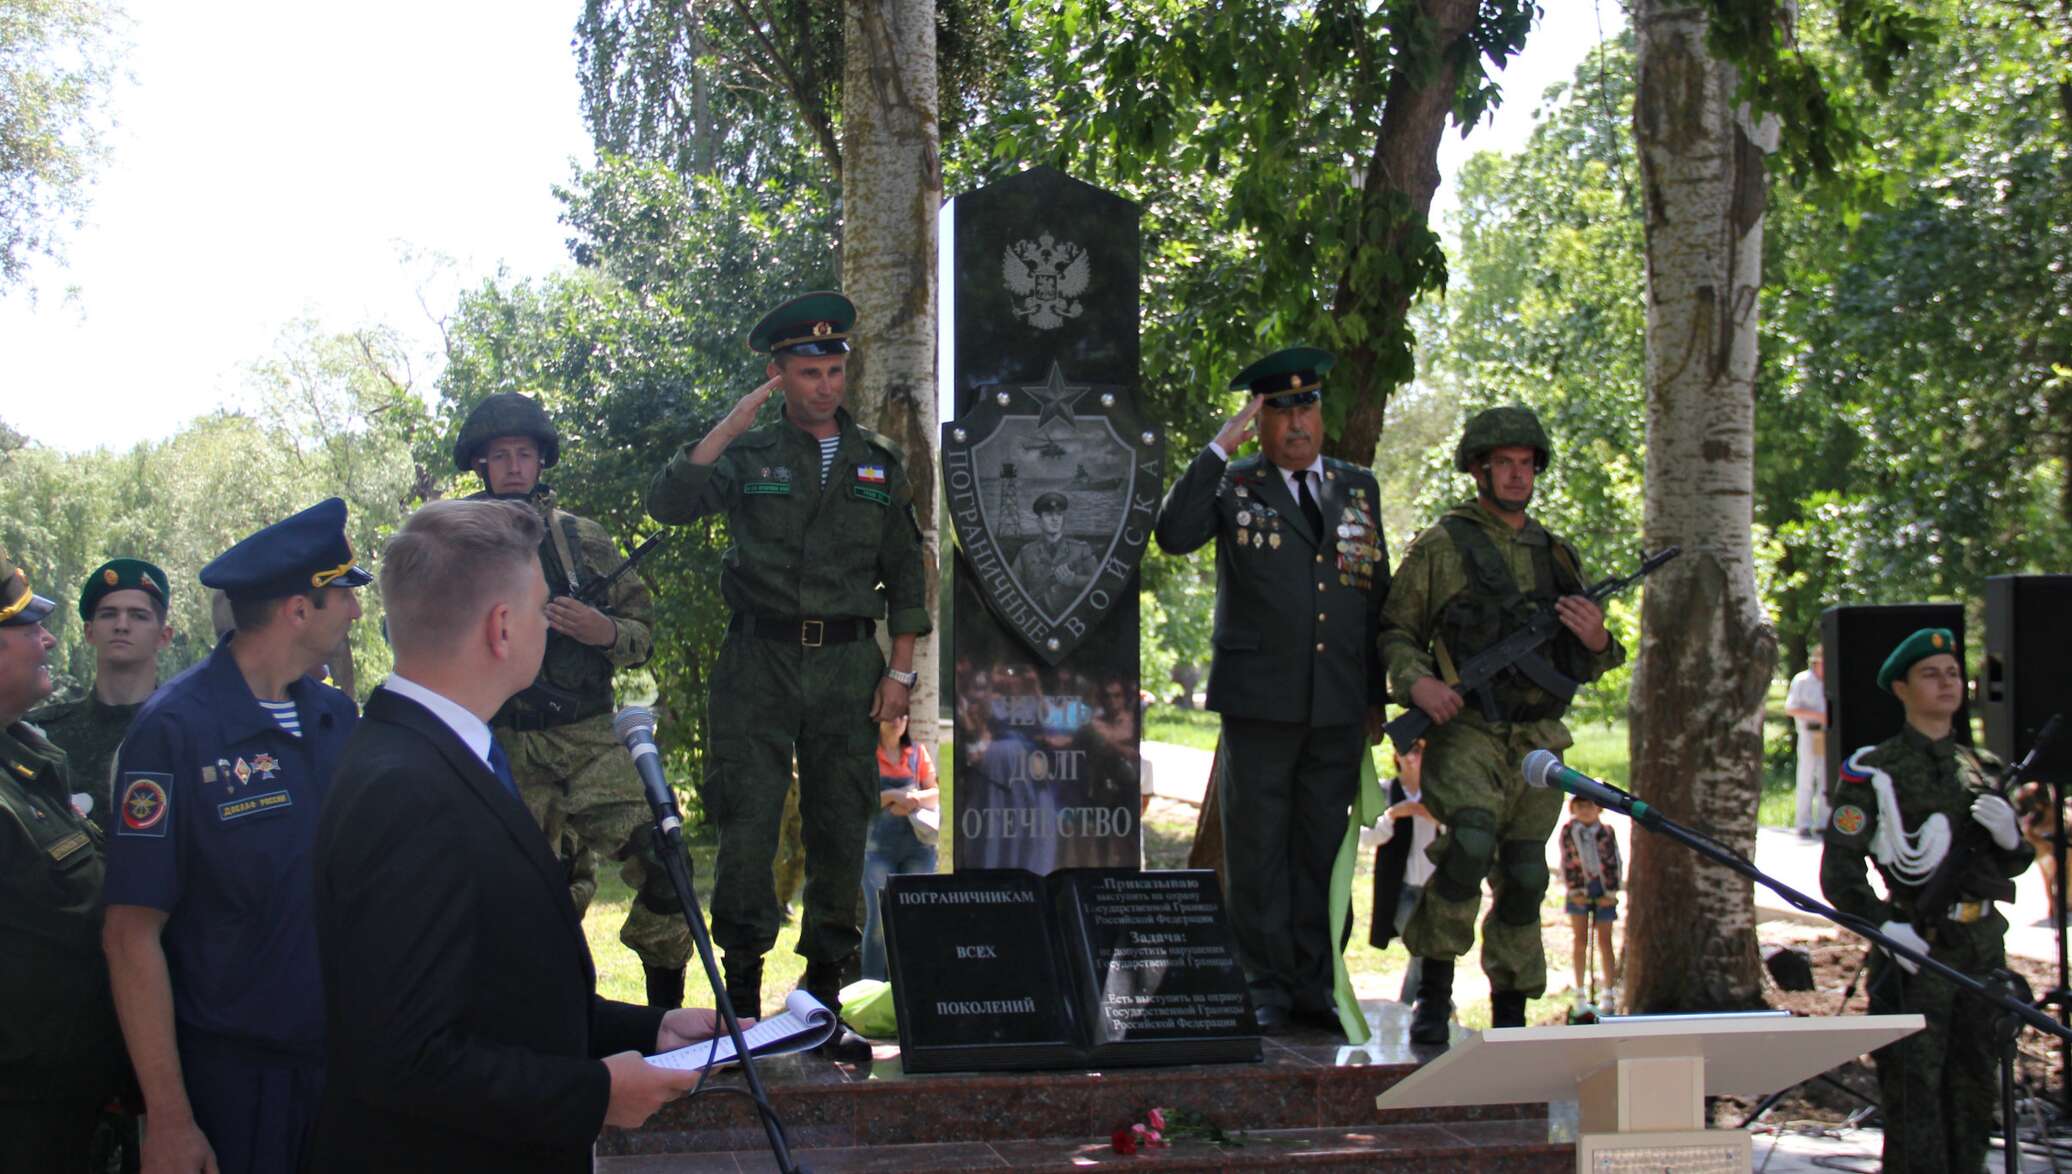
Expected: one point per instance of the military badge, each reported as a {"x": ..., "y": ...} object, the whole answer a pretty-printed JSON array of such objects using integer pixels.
[
  {"x": 1849, "y": 819},
  {"x": 1274, "y": 539},
  {"x": 145, "y": 802},
  {"x": 1244, "y": 517},
  {"x": 243, "y": 771},
  {"x": 871, "y": 474},
  {"x": 110, "y": 577},
  {"x": 1048, "y": 275},
  {"x": 265, "y": 765}
]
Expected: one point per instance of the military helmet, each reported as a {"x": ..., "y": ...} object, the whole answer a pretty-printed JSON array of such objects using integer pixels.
[
  {"x": 1512, "y": 424},
  {"x": 506, "y": 413}
]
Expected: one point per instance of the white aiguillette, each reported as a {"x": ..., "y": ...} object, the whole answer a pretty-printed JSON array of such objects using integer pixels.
[{"x": 805, "y": 1024}]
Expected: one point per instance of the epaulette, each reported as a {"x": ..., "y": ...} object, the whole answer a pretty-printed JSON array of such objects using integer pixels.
[{"x": 880, "y": 440}]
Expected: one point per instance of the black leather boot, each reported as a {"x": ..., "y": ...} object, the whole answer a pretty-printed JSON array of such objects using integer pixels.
[
  {"x": 664, "y": 987},
  {"x": 1507, "y": 1009},
  {"x": 823, "y": 981},
  {"x": 1434, "y": 1011},
  {"x": 744, "y": 985}
]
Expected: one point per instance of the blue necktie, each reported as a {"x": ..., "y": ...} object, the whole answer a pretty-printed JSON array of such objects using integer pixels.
[{"x": 501, "y": 765}]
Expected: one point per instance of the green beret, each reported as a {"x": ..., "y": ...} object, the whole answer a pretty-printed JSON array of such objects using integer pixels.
[
  {"x": 1913, "y": 650},
  {"x": 1288, "y": 377},
  {"x": 123, "y": 574},
  {"x": 815, "y": 323}
]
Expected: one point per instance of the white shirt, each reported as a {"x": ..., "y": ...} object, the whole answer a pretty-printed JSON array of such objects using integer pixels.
[
  {"x": 1315, "y": 470},
  {"x": 1806, "y": 692},
  {"x": 472, "y": 731}
]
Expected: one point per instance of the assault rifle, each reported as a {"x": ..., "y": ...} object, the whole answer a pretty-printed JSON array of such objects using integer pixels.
[
  {"x": 1521, "y": 649},
  {"x": 597, "y": 591},
  {"x": 1939, "y": 892}
]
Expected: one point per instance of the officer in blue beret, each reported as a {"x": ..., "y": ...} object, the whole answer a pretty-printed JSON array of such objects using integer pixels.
[{"x": 211, "y": 944}]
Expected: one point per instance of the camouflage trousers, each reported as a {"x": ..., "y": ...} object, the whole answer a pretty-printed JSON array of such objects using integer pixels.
[
  {"x": 1496, "y": 828},
  {"x": 1939, "y": 1089},
  {"x": 580, "y": 786},
  {"x": 772, "y": 703}
]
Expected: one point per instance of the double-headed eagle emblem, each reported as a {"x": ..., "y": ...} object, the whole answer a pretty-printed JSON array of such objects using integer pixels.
[{"x": 1048, "y": 275}]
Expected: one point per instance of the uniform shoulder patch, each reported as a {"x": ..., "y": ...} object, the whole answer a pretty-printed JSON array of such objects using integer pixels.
[
  {"x": 1849, "y": 819},
  {"x": 883, "y": 442},
  {"x": 147, "y": 799}
]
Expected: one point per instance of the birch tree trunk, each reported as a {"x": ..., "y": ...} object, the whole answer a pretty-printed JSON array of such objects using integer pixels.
[
  {"x": 1707, "y": 650},
  {"x": 891, "y": 191}
]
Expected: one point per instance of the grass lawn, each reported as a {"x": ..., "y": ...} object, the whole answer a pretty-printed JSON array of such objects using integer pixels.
[{"x": 1197, "y": 728}]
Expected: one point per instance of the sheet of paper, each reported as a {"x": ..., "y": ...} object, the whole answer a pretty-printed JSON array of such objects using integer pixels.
[{"x": 804, "y": 1024}]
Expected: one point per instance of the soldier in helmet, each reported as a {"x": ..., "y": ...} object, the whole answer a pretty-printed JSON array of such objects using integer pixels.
[
  {"x": 123, "y": 606},
  {"x": 825, "y": 547},
  {"x": 1463, "y": 585},
  {"x": 570, "y": 767}
]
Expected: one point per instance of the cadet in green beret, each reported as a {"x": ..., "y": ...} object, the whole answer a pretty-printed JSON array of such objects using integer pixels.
[
  {"x": 1900, "y": 803},
  {"x": 1476, "y": 576},
  {"x": 124, "y": 605},
  {"x": 825, "y": 546},
  {"x": 61, "y": 1054},
  {"x": 569, "y": 766}
]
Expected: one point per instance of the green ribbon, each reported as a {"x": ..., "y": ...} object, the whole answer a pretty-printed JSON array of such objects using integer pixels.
[{"x": 1368, "y": 805}]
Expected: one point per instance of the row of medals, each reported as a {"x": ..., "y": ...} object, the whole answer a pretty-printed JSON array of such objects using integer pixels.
[{"x": 1356, "y": 547}]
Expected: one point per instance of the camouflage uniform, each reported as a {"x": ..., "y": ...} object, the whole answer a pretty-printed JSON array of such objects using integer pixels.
[
  {"x": 1939, "y": 1088},
  {"x": 88, "y": 730},
  {"x": 849, "y": 550},
  {"x": 1497, "y": 826}
]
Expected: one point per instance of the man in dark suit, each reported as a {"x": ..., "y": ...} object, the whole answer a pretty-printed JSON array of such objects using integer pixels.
[
  {"x": 460, "y": 1001},
  {"x": 1301, "y": 572}
]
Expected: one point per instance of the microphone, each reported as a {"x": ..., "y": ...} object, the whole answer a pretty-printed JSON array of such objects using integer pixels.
[
  {"x": 1544, "y": 769},
  {"x": 635, "y": 726}
]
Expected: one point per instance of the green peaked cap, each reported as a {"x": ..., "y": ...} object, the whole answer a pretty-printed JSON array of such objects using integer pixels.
[
  {"x": 1913, "y": 650},
  {"x": 814, "y": 323},
  {"x": 1290, "y": 376},
  {"x": 123, "y": 574}
]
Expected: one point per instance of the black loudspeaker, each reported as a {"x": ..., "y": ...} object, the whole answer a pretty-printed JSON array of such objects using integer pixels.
[
  {"x": 2028, "y": 670},
  {"x": 1857, "y": 639}
]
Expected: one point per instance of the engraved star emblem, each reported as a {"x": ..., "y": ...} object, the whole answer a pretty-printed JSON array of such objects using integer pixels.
[{"x": 1055, "y": 397}]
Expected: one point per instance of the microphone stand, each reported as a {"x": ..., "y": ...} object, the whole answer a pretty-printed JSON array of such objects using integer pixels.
[
  {"x": 668, "y": 837},
  {"x": 1994, "y": 992}
]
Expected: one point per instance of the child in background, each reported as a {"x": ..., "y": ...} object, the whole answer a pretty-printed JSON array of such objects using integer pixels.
[
  {"x": 1402, "y": 864},
  {"x": 1590, "y": 867}
]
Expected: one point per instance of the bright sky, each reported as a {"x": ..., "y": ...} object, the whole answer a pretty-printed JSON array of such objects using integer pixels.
[{"x": 278, "y": 161}]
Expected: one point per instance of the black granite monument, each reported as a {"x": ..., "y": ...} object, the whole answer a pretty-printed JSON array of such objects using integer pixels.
[{"x": 1052, "y": 481}]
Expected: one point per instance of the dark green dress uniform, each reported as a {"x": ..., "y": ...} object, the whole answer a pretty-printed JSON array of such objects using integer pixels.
[
  {"x": 61, "y": 1052},
  {"x": 1293, "y": 675},
  {"x": 811, "y": 569},
  {"x": 1939, "y": 1088}
]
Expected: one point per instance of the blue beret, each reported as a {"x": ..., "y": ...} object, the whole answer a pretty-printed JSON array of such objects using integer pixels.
[{"x": 301, "y": 553}]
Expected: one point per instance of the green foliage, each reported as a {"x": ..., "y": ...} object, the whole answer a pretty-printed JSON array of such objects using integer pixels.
[
  {"x": 57, "y": 60},
  {"x": 335, "y": 415}
]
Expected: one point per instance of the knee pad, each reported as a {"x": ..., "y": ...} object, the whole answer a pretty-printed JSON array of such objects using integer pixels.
[
  {"x": 657, "y": 895},
  {"x": 1524, "y": 865},
  {"x": 1467, "y": 856}
]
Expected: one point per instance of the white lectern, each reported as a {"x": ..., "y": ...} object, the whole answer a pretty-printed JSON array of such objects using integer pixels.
[{"x": 1640, "y": 1084}]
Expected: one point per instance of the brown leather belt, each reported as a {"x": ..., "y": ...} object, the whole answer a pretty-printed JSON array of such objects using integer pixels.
[{"x": 808, "y": 631}]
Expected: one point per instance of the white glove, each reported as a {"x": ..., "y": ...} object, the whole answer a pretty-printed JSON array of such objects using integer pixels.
[
  {"x": 1996, "y": 815},
  {"x": 1901, "y": 932}
]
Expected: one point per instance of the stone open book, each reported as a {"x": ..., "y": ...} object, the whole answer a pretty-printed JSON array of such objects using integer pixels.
[
  {"x": 1101, "y": 967},
  {"x": 805, "y": 1024}
]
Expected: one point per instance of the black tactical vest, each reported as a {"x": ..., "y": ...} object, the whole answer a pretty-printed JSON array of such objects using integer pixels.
[{"x": 1492, "y": 607}]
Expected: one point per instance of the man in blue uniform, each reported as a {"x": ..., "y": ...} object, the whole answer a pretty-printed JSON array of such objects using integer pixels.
[{"x": 209, "y": 933}]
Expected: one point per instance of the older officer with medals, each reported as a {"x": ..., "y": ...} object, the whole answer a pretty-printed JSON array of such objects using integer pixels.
[
  {"x": 211, "y": 942},
  {"x": 1301, "y": 573},
  {"x": 825, "y": 546}
]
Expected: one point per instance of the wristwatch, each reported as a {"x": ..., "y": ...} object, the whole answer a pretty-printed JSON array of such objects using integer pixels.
[{"x": 905, "y": 677}]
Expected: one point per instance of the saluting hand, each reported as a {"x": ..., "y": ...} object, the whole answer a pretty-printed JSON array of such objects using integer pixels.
[
  {"x": 1241, "y": 427},
  {"x": 580, "y": 621}
]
